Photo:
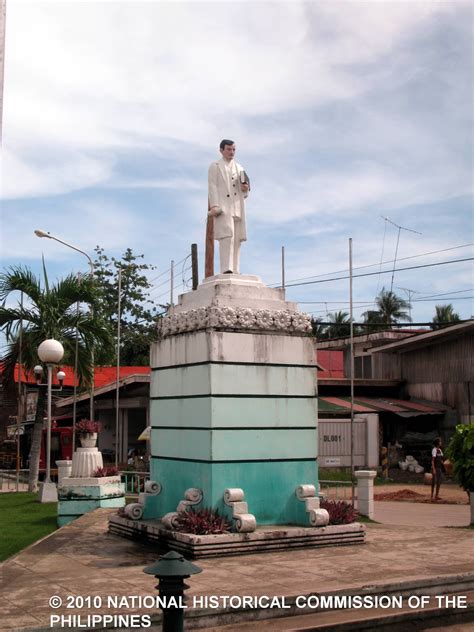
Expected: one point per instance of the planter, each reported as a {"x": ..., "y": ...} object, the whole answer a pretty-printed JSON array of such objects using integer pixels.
[{"x": 88, "y": 440}]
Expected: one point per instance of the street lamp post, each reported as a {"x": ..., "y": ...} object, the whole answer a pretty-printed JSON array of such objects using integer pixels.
[
  {"x": 43, "y": 233},
  {"x": 50, "y": 352}
]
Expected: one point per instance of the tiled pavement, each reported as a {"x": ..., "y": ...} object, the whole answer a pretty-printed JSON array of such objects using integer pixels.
[{"x": 83, "y": 559}]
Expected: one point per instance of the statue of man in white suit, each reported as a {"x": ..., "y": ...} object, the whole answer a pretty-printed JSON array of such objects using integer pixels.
[{"x": 228, "y": 188}]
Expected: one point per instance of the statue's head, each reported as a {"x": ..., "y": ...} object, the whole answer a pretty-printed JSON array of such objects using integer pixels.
[{"x": 227, "y": 148}]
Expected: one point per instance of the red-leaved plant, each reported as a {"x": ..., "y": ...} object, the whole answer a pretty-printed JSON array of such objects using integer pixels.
[
  {"x": 339, "y": 511},
  {"x": 87, "y": 426},
  {"x": 100, "y": 472},
  {"x": 202, "y": 522}
]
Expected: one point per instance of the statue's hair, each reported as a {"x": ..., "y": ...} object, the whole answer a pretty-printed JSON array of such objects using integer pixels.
[{"x": 225, "y": 142}]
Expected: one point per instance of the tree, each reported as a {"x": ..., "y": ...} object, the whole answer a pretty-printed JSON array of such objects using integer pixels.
[
  {"x": 339, "y": 325},
  {"x": 444, "y": 315},
  {"x": 461, "y": 452},
  {"x": 138, "y": 312},
  {"x": 318, "y": 330},
  {"x": 48, "y": 312},
  {"x": 390, "y": 309}
]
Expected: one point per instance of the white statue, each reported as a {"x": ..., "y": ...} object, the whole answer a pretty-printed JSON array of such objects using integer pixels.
[{"x": 228, "y": 188}]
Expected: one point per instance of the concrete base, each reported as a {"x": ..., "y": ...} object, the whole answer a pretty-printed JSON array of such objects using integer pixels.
[
  {"x": 48, "y": 493},
  {"x": 265, "y": 539},
  {"x": 78, "y": 496}
]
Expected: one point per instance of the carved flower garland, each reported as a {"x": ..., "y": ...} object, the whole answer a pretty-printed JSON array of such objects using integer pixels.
[{"x": 234, "y": 318}]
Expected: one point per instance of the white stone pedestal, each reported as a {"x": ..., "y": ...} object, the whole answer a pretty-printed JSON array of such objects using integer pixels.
[
  {"x": 233, "y": 402},
  {"x": 365, "y": 492},
  {"x": 85, "y": 461},
  {"x": 64, "y": 470}
]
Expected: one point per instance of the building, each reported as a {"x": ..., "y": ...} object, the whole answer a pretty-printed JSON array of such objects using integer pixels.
[{"x": 418, "y": 382}]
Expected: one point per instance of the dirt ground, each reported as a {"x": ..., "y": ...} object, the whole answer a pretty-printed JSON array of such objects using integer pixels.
[{"x": 450, "y": 493}]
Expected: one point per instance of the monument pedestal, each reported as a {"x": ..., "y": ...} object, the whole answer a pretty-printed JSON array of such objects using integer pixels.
[
  {"x": 233, "y": 403},
  {"x": 81, "y": 492}
]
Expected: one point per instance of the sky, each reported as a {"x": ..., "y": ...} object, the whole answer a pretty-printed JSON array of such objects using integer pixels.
[{"x": 343, "y": 114}]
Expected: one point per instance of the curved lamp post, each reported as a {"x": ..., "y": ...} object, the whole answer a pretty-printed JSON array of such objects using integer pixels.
[
  {"x": 43, "y": 233},
  {"x": 50, "y": 352}
]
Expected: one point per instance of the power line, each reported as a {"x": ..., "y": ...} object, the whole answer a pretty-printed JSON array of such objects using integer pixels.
[
  {"x": 426, "y": 265},
  {"x": 168, "y": 270},
  {"x": 371, "y": 265},
  {"x": 341, "y": 302},
  {"x": 361, "y": 305}
]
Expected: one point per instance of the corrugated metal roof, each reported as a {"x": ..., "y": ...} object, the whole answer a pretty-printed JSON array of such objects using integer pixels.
[
  {"x": 379, "y": 404},
  {"x": 102, "y": 374}
]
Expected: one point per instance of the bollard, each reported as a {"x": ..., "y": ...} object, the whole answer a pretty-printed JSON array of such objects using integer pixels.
[{"x": 171, "y": 570}]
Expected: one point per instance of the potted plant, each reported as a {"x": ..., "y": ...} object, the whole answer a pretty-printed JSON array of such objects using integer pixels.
[
  {"x": 461, "y": 452},
  {"x": 87, "y": 431}
]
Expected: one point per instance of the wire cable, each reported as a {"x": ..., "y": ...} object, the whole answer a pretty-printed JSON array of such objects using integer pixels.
[
  {"x": 426, "y": 265},
  {"x": 371, "y": 265}
]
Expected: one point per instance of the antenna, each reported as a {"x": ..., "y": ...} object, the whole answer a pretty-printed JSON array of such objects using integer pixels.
[
  {"x": 400, "y": 228},
  {"x": 409, "y": 293}
]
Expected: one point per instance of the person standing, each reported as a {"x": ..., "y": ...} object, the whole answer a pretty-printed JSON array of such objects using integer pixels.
[
  {"x": 228, "y": 188},
  {"x": 437, "y": 468}
]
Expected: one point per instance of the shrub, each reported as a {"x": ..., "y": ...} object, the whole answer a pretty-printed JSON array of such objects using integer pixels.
[
  {"x": 339, "y": 511},
  {"x": 87, "y": 426},
  {"x": 202, "y": 522},
  {"x": 461, "y": 452},
  {"x": 100, "y": 472}
]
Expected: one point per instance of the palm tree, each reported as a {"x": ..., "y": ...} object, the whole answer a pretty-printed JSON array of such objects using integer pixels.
[
  {"x": 391, "y": 309},
  {"x": 50, "y": 312},
  {"x": 444, "y": 315},
  {"x": 318, "y": 329},
  {"x": 339, "y": 325}
]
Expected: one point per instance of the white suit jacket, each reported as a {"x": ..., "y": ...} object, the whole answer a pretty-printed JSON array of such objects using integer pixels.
[{"x": 229, "y": 197}]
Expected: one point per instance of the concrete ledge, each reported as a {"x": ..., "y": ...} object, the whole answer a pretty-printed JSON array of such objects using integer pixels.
[{"x": 264, "y": 539}]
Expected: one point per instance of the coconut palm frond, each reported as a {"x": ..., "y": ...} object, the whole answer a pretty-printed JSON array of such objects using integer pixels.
[{"x": 19, "y": 279}]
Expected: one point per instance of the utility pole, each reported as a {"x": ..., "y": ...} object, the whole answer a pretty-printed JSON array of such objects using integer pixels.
[
  {"x": 3, "y": 19},
  {"x": 283, "y": 267},
  {"x": 194, "y": 265}
]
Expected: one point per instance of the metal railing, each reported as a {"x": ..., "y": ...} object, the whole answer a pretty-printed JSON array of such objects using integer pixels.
[
  {"x": 8, "y": 480},
  {"x": 336, "y": 490},
  {"x": 134, "y": 482}
]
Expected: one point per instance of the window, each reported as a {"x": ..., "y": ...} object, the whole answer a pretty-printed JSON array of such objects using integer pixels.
[{"x": 363, "y": 366}]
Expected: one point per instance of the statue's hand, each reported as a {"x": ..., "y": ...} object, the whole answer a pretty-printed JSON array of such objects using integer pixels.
[
  {"x": 245, "y": 187},
  {"x": 214, "y": 211}
]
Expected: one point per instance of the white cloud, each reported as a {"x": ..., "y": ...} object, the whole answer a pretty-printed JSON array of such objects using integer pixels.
[
  {"x": 341, "y": 112},
  {"x": 98, "y": 75},
  {"x": 85, "y": 224},
  {"x": 36, "y": 177}
]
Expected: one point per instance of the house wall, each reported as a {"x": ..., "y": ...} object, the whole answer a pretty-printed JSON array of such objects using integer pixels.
[
  {"x": 442, "y": 372},
  {"x": 383, "y": 365}
]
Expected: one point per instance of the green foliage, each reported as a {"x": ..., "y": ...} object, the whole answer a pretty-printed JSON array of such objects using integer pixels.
[
  {"x": 138, "y": 311},
  {"x": 23, "y": 520},
  {"x": 48, "y": 311},
  {"x": 390, "y": 310},
  {"x": 445, "y": 315},
  {"x": 461, "y": 452},
  {"x": 338, "y": 326}
]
